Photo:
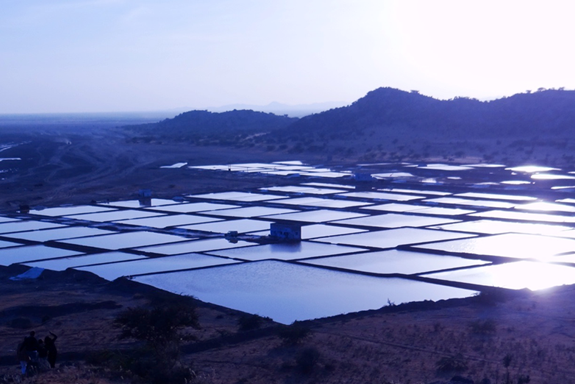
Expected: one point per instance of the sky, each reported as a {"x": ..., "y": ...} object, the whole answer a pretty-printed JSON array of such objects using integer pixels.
[{"x": 59, "y": 56}]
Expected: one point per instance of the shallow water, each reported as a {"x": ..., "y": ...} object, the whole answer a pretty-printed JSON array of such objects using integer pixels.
[
  {"x": 30, "y": 253},
  {"x": 517, "y": 275},
  {"x": 394, "y": 261},
  {"x": 391, "y": 238},
  {"x": 125, "y": 240},
  {"x": 76, "y": 261},
  {"x": 286, "y": 251},
  {"x": 31, "y": 225},
  {"x": 287, "y": 292},
  {"x": 155, "y": 265},
  {"x": 395, "y": 220},
  {"x": 511, "y": 245}
]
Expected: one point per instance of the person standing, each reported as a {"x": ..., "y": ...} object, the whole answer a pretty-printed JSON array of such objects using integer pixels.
[
  {"x": 31, "y": 346},
  {"x": 50, "y": 345},
  {"x": 23, "y": 358}
]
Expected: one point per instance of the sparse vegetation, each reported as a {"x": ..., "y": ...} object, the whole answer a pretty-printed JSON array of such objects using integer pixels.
[
  {"x": 294, "y": 334},
  {"x": 451, "y": 364},
  {"x": 307, "y": 359},
  {"x": 158, "y": 360},
  {"x": 249, "y": 322},
  {"x": 483, "y": 327}
]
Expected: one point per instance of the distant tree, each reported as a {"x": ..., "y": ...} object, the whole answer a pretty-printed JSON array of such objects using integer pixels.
[{"x": 158, "y": 361}]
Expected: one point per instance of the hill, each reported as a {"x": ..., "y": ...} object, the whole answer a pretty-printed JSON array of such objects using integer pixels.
[
  {"x": 390, "y": 124},
  {"x": 393, "y": 125},
  {"x": 195, "y": 126},
  {"x": 548, "y": 112}
]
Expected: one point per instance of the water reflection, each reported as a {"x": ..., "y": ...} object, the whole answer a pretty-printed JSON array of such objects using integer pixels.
[
  {"x": 508, "y": 245},
  {"x": 518, "y": 275},
  {"x": 532, "y": 169}
]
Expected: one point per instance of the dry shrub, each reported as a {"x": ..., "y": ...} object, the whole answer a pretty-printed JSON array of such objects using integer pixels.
[{"x": 451, "y": 364}]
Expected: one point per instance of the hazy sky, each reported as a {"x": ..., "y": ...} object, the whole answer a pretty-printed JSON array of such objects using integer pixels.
[{"x": 134, "y": 55}]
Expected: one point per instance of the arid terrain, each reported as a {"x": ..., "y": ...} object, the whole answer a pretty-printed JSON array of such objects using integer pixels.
[
  {"x": 426, "y": 343},
  {"x": 494, "y": 338}
]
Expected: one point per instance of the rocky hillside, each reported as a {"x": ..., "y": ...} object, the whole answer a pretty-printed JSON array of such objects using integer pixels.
[{"x": 543, "y": 113}]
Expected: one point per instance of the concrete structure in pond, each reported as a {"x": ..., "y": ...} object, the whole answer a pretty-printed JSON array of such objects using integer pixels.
[{"x": 286, "y": 231}]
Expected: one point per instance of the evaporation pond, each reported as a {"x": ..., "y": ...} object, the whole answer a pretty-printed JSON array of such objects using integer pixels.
[
  {"x": 4, "y": 219},
  {"x": 193, "y": 207},
  {"x": 317, "y": 216},
  {"x": 241, "y": 226},
  {"x": 67, "y": 211},
  {"x": 20, "y": 226},
  {"x": 59, "y": 233},
  {"x": 326, "y": 174},
  {"x": 391, "y": 238},
  {"x": 76, "y": 261},
  {"x": 196, "y": 246},
  {"x": 236, "y": 196},
  {"x": 416, "y": 191},
  {"x": 444, "y": 167},
  {"x": 531, "y": 169},
  {"x": 7, "y": 244},
  {"x": 286, "y": 292},
  {"x": 309, "y": 190},
  {"x": 419, "y": 209},
  {"x": 394, "y": 261},
  {"x": 507, "y": 245},
  {"x": 525, "y": 216},
  {"x": 394, "y": 220},
  {"x": 252, "y": 211},
  {"x": 495, "y": 196},
  {"x": 322, "y": 230},
  {"x": 33, "y": 252},
  {"x": 381, "y": 196},
  {"x": 319, "y": 202},
  {"x": 126, "y": 240},
  {"x": 547, "y": 207},
  {"x": 517, "y": 275},
  {"x": 141, "y": 203},
  {"x": 329, "y": 185},
  {"x": 493, "y": 227},
  {"x": 472, "y": 203},
  {"x": 168, "y": 220},
  {"x": 155, "y": 265},
  {"x": 116, "y": 215},
  {"x": 286, "y": 251}
]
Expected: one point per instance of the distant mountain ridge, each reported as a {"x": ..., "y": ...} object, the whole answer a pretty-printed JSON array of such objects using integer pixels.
[
  {"x": 546, "y": 112},
  {"x": 384, "y": 114},
  {"x": 298, "y": 110},
  {"x": 205, "y": 123}
]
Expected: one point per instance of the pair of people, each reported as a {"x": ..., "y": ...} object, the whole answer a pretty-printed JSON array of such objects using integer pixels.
[{"x": 32, "y": 351}]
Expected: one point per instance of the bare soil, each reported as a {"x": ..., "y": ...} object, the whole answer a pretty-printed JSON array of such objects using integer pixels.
[
  {"x": 426, "y": 343},
  {"x": 402, "y": 344}
]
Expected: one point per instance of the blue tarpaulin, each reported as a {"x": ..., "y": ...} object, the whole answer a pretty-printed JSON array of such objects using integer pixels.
[{"x": 32, "y": 273}]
